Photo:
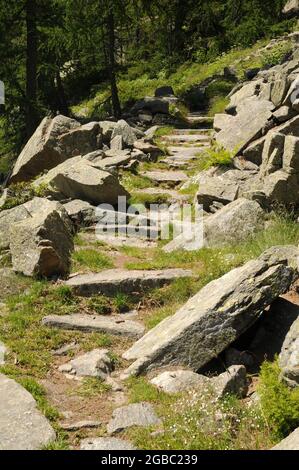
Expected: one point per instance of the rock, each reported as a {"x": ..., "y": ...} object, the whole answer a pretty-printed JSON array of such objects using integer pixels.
[
  {"x": 64, "y": 350},
  {"x": 3, "y": 351},
  {"x": 239, "y": 220},
  {"x": 241, "y": 130},
  {"x": 138, "y": 414},
  {"x": 154, "y": 105},
  {"x": 106, "y": 443},
  {"x": 272, "y": 153},
  {"x": 170, "y": 177},
  {"x": 109, "y": 282},
  {"x": 117, "y": 143},
  {"x": 290, "y": 9},
  {"x": 80, "y": 141},
  {"x": 283, "y": 114},
  {"x": 178, "y": 381},
  {"x": 41, "y": 245},
  {"x": 80, "y": 425},
  {"x": 119, "y": 160},
  {"x": 279, "y": 89},
  {"x": 289, "y": 357},
  {"x": 217, "y": 189},
  {"x": 22, "y": 426},
  {"x": 231, "y": 382},
  {"x": 31, "y": 208},
  {"x": 147, "y": 148},
  {"x": 41, "y": 152},
  {"x": 164, "y": 91},
  {"x": 80, "y": 212},
  {"x": 289, "y": 443},
  {"x": 79, "y": 179},
  {"x": 96, "y": 363},
  {"x": 128, "y": 134},
  {"x": 215, "y": 317},
  {"x": 116, "y": 325},
  {"x": 107, "y": 128},
  {"x": 254, "y": 151},
  {"x": 290, "y": 160},
  {"x": 150, "y": 133}
]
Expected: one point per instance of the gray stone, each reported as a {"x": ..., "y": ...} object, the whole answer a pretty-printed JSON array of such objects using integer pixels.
[
  {"x": 215, "y": 317},
  {"x": 231, "y": 382},
  {"x": 22, "y": 426},
  {"x": 169, "y": 177},
  {"x": 80, "y": 212},
  {"x": 283, "y": 114},
  {"x": 106, "y": 443},
  {"x": 3, "y": 351},
  {"x": 77, "y": 178},
  {"x": 272, "y": 153},
  {"x": 279, "y": 89},
  {"x": 128, "y": 134},
  {"x": 80, "y": 425},
  {"x": 114, "y": 325},
  {"x": 147, "y": 148},
  {"x": 239, "y": 220},
  {"x": 254, "y": 151},
  {"x": 41, "y": 245},
  {"x": 290, "y": 443},
  {"x": 291, "y": 8},
  {"x": 117, "y": 143},
  {"x": 178, "y": 381},
  {"x": 96, "y": 363},
  {"x": 233, "y": 357},
  {"x": 217, "y": 189},
  {"x": 41, "y": 152},
  {"x": 290, "y": 161},
  {"x": 289, "y": 357},
  {"x": 111, "y": 281},
  {"x": 107, "y": 128},
  {"x": 138, "y": 414}
]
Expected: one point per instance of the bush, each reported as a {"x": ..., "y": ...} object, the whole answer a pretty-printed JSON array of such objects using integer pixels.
[
  {"x": 280, "y": 404},
  {"x": 275, "y": 55},
  {"x": 215, "y": 156},
  {"x": 20, "y": 193}
]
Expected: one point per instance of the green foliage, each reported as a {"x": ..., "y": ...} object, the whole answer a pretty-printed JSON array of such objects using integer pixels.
[
  {"x": 276, "y": 54},
  {"x": 122, "y": 302},
  {"x": 20, "y": 193},
  {"x": 280, "y": 404},
  {"x": 91, "y": 259},
  {"x": 39, "y": 394},
  {"x": 92, "y": 387},
  {"x": 214, "y": 156},
  {"x": 99, "y": 304}
]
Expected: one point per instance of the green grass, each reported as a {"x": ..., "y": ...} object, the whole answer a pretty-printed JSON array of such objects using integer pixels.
[
  {"x": 131, "y": 182},
  {"x": 91, "y": 259},
  {"x": 29, "y": 342},
  {"x": 191, "y": 421},
  {"x": 280, "y": 403},
  {"x": 214, "y": 156},
  {"x": 147, "y": 199},
  {"x": 164, "y": 131},
  {"x": 92, "y": 387},
  {"x": 20, "y": 193},
  {"x": 218, "y": 105}
]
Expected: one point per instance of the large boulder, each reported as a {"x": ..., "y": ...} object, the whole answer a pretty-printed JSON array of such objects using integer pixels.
[
  {"x": 29, "y": 209},
  {"x": 236, "y": 221},
  {"x": 289, "y": 357},
  {"x": 215, "y": 317},
  {"x": 289, "y": 443},
  {"x": 54, "y": 141},
  {"x": 23, "y": 427},
  {"x": 78, "y": 178},
  {"x": 41, "y": 245},
  {"x": 291, "y": 8}
]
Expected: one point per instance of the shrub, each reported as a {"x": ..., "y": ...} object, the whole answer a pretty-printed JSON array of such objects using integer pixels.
[
  {"x": 214, "y": 156},
  {"x": 280, "y": 404},
  {"x": 275, "y": 55},
  {"x": 20, "y": 193}
]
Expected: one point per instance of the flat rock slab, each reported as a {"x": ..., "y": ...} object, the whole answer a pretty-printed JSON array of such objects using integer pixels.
[
  {"x": 111, "y": 281},
  {"x": 96, "y": 363},
  {"x": 166, "y": 176},
  {"x": 289, "y": 357},
  {"x": 106, "y": 443},
  {"x": 187, "y": 138},
  {"x": 22, "y": 426},
  {"x": 115, "y": 325},
  {"x": 290, "y": 443},
  {"x": 178, "y": 381},
  {"x": 80, "y": 425},
  {"x": 215, "y": 317},
  {"x": 138, "y": 414}
]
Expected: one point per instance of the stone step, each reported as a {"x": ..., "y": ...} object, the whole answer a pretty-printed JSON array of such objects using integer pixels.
[
  {"x": 169, "y": 177},
  {"x": 109, "y": 282},
  {"x": 22, "y": 425},
  {"x": 186, "y": 151},
  {"x": 136, "y": 414},
  {"x": 126, "y": 241},
  {"x": 106, "y": 443},
  {"x": 173, "y": 195},
  {"x": 187, "y": 138},
  {"x": 114, "y": 325},
  {"x": 202, "y": 131}
]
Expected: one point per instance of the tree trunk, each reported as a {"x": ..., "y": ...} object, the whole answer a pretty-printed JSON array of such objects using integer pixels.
[
  {"x": 111, "y": 66},
  {"x": 61, "y": 98},
  {"x": 31, "y": 68}
]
